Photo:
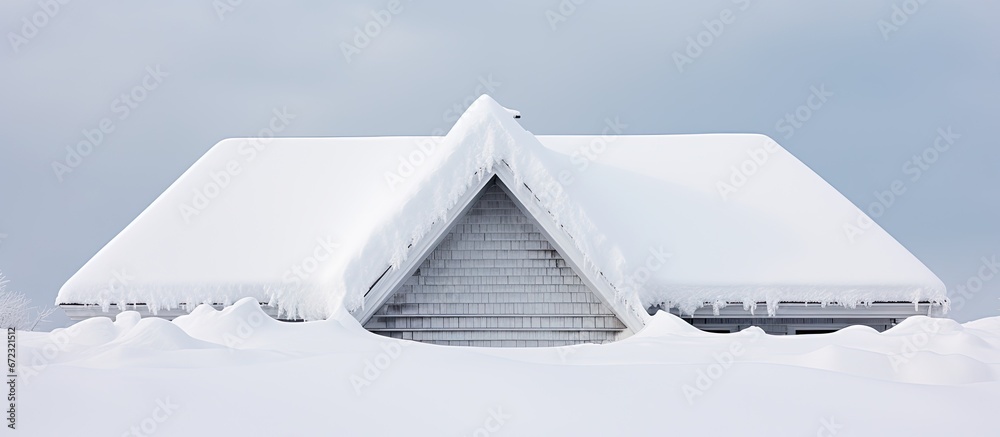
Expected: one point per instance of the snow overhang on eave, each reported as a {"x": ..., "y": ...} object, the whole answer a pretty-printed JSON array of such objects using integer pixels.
[{"x": 815, "y": 309}]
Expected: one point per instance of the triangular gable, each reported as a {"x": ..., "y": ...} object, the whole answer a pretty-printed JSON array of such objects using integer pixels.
[
  {"x": 394, "y": 280},
  {"x": 496, "y": 280}
]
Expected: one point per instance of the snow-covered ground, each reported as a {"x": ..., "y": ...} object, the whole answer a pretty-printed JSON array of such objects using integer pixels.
[{"x": 239, "y": 372}]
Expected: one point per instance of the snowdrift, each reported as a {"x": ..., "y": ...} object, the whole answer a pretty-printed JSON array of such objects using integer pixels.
[{"x": 238, "y": 372}]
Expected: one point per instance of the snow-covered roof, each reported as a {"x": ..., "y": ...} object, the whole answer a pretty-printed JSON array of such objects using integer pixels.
[{"x": 309, "y": 224}]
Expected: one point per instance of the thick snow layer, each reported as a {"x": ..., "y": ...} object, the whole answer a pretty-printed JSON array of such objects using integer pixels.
[
  {"x": 779, "y": 237},
  {"x": 308, "y": 225},
  {"x": 238, "y": 372}
]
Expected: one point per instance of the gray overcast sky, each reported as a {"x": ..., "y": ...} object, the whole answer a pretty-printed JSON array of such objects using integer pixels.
[{"x": 931, "y": 66}]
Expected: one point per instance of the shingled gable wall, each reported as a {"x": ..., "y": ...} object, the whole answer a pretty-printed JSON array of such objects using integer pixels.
[{"x": 496, "y": 281}]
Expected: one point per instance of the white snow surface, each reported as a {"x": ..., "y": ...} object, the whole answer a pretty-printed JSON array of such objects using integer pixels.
[
  {"x": 267, "y": 213},
  {"x": 239, "y": 372}
]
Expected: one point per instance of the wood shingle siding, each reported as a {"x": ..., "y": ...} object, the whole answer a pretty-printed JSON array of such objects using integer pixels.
[{"x": 496, "y": 281}]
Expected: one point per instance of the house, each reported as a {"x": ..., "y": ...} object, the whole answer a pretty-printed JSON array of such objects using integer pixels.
[{"x": 493, "y": 236}]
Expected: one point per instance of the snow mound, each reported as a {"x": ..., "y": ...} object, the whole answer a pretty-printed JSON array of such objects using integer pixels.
[
  {"x": 234, "y": 322},
  {"x": 326, "y": 376},
  {"x": 665, "y": 324},
  {"x": 91, "y": 332},
  {"x": 991, "y": 324},
  {"x": 916, "y": 324},
  {"x": 244, "y": 325},
  {"x": 158, "y": 335}
]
